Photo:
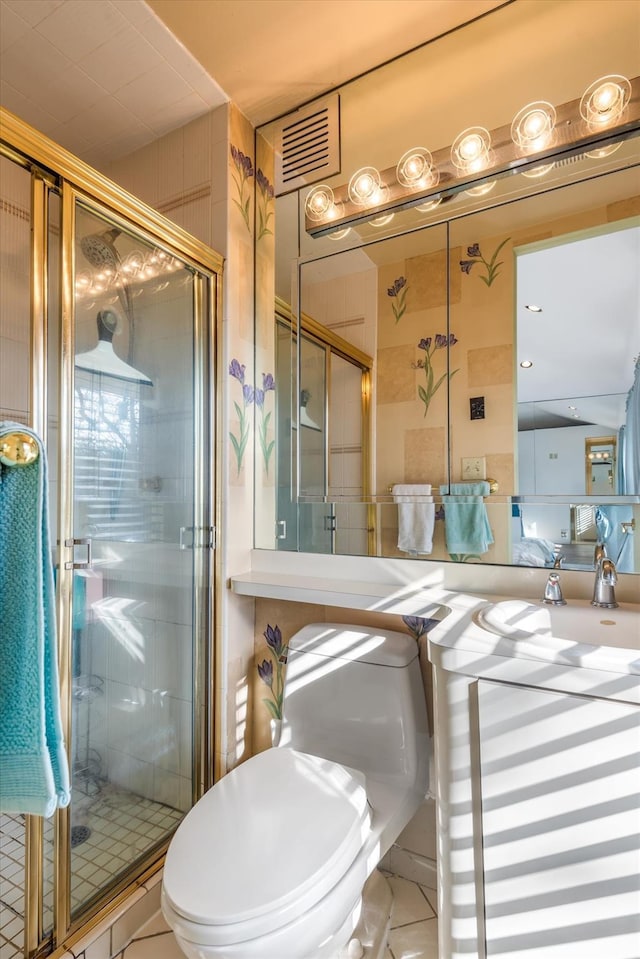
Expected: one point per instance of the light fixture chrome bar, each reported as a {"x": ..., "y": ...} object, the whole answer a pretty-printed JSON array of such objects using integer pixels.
[{"x": 571, "y": 135}]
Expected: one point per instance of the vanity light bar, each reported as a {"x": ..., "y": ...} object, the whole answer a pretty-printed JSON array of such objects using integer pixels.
[{"x": 570, "y": 134}]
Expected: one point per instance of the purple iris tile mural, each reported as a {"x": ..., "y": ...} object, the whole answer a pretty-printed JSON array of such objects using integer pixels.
[
  {"x": 239, "y": 440},
  {"x": 266, "y": 445},
  {"x": 271, "y": 671},
  {"x": 241, "y": 178},
  {"x": 429, "y": 345},
  {"x": 264, "y": 204},
  {"x": 251, "y": 395},
  {"x": 418, "y": 626},
  {"x": 398, "y": 294},
  {"x": 491, "y": 266}
]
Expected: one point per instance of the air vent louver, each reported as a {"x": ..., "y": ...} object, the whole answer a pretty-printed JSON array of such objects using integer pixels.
[{"x": 307, "y": 145}]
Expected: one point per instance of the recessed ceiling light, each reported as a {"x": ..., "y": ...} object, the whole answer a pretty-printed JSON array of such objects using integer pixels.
[
  {"x": 526, "y": 364},
  {"x": 533, "y": 308}
]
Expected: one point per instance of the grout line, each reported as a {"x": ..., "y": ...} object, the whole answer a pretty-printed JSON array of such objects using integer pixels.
[
  {"x": 413, "y": 922},
  {"x": 426, "y": 898},
  {"x": 434, "y": 907},
  {"x": 152, "y": 935}
]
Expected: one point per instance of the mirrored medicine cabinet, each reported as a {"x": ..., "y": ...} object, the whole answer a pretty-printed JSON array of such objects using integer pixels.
[{"x": 491, "y": 336}]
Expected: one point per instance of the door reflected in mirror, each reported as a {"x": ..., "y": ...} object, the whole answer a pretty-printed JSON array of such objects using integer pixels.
[{"x": 600, "y": 466}]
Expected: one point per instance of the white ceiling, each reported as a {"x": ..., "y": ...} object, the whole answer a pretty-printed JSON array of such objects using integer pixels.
[
  {"x": 105, "y": 77},
  {"x": 584, "y": 342}
]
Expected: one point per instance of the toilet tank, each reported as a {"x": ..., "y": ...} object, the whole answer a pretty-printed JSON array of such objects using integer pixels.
[{"x": 355, "y": 695}]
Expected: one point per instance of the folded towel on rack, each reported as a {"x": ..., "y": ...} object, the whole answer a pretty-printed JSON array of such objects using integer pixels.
[
  {"x": 34, "y": 776},
  {"x": 467, "y": 528},
  {"x": 411, "y": 490},
  {"x": 416, "y": 517}
]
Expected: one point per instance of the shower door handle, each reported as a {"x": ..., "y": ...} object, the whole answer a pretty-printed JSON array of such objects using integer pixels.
[
  {"x": 183, "y": 531},
  {"x": 72, "y": 543},
  {"x": 208, "y": 538},
  {"x": 281, "y": 529}
]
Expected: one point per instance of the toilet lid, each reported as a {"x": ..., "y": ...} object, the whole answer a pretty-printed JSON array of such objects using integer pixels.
[{"x": 279, "y": 830}]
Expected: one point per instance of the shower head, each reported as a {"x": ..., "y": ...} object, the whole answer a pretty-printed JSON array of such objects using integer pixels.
[{"x": 99, "y": 249}]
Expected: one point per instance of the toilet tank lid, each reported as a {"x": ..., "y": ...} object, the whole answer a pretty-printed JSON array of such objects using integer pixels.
[{"x": 379, "y": 647}]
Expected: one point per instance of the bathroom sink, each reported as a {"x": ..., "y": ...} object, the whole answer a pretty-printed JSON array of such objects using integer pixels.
[{"x": 575, "y": 622}]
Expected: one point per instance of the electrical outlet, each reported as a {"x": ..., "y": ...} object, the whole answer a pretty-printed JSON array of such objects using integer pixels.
[{"x": 474, "y": 468}]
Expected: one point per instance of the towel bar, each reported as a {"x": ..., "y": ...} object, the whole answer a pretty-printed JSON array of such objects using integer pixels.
[{"x": 18, "y": 449}]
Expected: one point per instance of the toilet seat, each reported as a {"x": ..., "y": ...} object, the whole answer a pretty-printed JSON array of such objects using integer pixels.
[{"x": 300, "y": 821}]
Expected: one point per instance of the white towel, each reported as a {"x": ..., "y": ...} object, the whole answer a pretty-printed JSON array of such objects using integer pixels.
[
  {"x": 416, "y": 517},
  {"x": 412, "y": 490}
]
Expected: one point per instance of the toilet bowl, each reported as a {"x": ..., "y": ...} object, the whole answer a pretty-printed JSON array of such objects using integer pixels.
[{"x": 271, "y": 862}]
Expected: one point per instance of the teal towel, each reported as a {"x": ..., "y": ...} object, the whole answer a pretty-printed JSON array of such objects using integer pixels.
[
  {"x": 467, "y": 528},
  {"x": 34, "y": 768}
]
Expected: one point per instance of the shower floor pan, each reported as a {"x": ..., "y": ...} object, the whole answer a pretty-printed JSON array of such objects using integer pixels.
[{"x": 115, "y": 826}]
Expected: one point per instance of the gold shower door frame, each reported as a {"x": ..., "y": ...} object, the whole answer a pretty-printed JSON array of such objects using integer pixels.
[{"x": 54, "y": 170}]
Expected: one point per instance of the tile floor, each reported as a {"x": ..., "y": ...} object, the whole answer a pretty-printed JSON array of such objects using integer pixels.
[
  {"x": 413, "y": 935},
  {"x": 123, "y": 825}
]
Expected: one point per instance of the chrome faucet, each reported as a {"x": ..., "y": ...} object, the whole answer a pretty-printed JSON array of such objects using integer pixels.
[
  {"x": 552, "y": 591},
  {"x": 604, "y": 595}
]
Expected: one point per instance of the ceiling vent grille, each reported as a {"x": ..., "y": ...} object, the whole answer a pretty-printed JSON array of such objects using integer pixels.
[{"x": 307, "y": 144}]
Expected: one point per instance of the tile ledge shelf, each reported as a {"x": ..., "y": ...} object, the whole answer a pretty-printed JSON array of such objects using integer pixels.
[{"x": 402, "y": 586}]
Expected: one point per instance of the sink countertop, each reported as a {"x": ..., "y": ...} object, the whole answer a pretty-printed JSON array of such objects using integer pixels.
[{"x": 562, "y": 643}]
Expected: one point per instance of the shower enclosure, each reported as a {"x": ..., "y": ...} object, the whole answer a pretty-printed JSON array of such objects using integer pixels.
[
  {"x": 107, "y": 349},
  {"x": 323, "y": 435}
]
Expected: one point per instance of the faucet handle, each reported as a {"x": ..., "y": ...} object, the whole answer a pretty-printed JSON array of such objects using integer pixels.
[{"x": 553, "y": 592}]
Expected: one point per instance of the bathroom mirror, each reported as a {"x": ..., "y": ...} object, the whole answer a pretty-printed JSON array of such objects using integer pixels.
[
  {"x": 527, "y": 426},
  {"x": 402, "y": 284}
]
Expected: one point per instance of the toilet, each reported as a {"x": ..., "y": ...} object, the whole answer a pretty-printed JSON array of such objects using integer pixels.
[{"x": 271, "y": 862}]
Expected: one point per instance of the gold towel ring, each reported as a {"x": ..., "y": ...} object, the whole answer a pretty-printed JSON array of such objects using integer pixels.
[{"x": 18, "y": 449}]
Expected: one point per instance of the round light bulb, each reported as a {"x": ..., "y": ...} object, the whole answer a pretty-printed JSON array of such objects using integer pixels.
[
  {"x": 415, "y": 168},
  {"x": 538, "y": 171},
  {"x": 339, "y": 234},
  {"x": 482, "y": 189},
  {"x": 532, "y": 126},
  {"x": 365, "y": 186},
  {"x": 429, "y": 205},
  {"x": 605, "y": 97},
  {"x": 470, "y": 150},
  {"x": 471, "y": 147},
  {"x": 604, "y": 101},
  {"x": 599, "y": 153},
  {"x": 381, "y": 220},
  {"x": 320, "y": 204}
]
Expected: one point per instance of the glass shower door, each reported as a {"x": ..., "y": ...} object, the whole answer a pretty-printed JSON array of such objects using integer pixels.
[
  {"x": 316, "y": 521},
  {"x": 134, "y": 577}
]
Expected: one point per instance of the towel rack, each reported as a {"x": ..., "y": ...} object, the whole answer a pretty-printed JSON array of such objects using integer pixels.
[{"x": 18, "y": 449}]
